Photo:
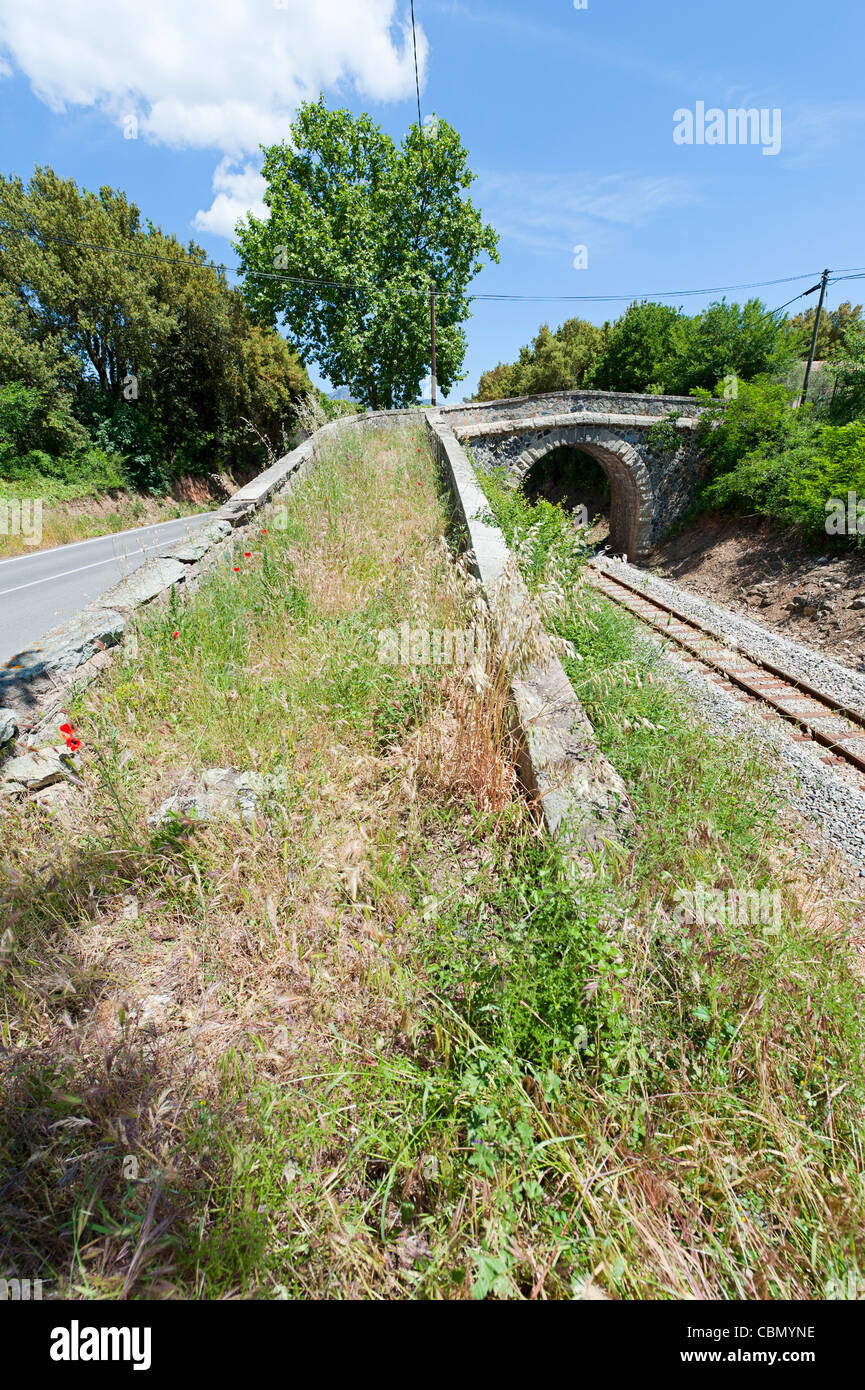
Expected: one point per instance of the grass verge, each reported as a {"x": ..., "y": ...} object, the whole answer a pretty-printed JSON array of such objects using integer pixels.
[
  {"x": 63, "y": 521},
  {"x": 374, "y": 1043},
  {"x": 734, "y": 1082}
]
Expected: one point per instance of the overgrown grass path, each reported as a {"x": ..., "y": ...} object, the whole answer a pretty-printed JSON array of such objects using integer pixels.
[{"x": 376, "y": 1042}]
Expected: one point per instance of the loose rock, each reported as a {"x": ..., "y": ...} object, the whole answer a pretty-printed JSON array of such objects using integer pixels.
[
  {"x": 219, "y": 792},
  {"x": 38, "y": 768}
]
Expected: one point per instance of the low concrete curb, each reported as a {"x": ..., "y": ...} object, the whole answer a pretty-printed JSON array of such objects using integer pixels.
[{"x": 583, "y": 799}]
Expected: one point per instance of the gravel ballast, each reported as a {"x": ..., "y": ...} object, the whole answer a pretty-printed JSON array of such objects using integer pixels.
[
  {"x": 750, "y": 637},
  {"x": 819, "y": 792}
]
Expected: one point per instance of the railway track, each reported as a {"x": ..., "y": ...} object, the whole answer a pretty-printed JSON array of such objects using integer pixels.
[{"x": 818, "y": 716}]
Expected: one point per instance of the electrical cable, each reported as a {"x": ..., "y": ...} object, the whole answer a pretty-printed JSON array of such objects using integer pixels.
[
  {"x": 416, "y": 78},
  {"x": 491, "y": 297}
]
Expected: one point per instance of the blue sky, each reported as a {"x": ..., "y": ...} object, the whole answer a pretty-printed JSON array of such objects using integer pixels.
[{"x": 567, "y": 115}]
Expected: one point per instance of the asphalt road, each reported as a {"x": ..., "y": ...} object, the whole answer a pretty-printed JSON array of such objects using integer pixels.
[{"x": 41, "y": 589}]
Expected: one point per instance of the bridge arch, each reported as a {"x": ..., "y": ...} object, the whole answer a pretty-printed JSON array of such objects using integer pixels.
[{"x": 632, "y": 501}]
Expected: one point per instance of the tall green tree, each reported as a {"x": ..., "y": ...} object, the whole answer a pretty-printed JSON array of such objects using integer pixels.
[
  {"x": 375, "y": 225},
  {"x": 836, "y": 333},
  {"x": 640, "y": 349},
  {"x": 555, "y": 361},
  {"x": 75, "y": 266},
  {"x": 500, "y": 382},
  {"x": 110, "y": 322}
]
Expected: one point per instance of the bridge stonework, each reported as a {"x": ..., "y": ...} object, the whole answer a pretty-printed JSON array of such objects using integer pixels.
[{"x": 650, "y": 489}]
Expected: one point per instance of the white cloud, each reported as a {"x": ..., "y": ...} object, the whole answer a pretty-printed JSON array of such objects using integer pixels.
[
  {"x": 214, "y": 73},
  {"x": 238, "y": 192},
  {"x": 549, "y": 212},
  {"x": 219, "y": 74}
]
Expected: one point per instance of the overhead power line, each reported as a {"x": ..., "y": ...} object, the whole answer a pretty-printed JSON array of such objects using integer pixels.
[
  {"x": 655, "y": 294},
  {"x": 833, "y": 280},
  {"x": 416, "y": 78},
  {"x": 323, "y": 282},
  {"x": 562, "y": 298},
  {"x": 786, "y": 305}
]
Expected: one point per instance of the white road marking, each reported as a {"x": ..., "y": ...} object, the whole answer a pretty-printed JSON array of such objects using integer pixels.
[
  {"x": 111, "y": 560},
  {"x": 109, "y": 535}
]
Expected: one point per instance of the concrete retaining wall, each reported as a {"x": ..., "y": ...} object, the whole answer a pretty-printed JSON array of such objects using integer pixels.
[{"x": 583, "y": 799}]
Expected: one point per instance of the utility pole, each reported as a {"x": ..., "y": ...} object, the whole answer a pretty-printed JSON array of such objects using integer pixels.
[
  {"x": 432, "y": 337},
  {"x": 823, "y": 279}
]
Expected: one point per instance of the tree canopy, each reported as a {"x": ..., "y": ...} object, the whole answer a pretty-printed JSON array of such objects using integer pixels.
[
  {"x": 640, "y": 349},
  {"x": 555, "y": 361},
  {"x": 129, "y": 337},
  {"x": 837, "y": 331},
  {"x": 744, "y": 340},
  {"x": 652, "y": 347},
  {"x": 374, "y": 224}
]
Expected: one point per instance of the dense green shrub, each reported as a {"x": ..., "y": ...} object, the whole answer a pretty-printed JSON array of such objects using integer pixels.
[
  {"x": 45, "y": 449},
  {"x": 769, "y": 459},
  {"x": 54, "y": 477},
  {"x": 759, "y": 416},
  {"x": 33, "y": 418},
  {"x": 536, "y": 531},
  {"x": 838, "y": 467}
]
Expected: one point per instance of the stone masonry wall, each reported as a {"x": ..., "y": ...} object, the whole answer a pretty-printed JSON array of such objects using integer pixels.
[
  {"x": 650, "y": 489},
  {"x": 565, "y": 402}
]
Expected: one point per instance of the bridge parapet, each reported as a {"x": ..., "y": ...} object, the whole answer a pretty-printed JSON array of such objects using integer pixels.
[
  {"x": 487, "y": 429},
  {"x": 651, "y": 485},
  {"x": 568, "y": 403}
]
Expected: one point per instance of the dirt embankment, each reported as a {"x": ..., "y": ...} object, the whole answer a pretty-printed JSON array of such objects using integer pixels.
[
  {"x": 188, "y": 490},
  {"x": 749, "y": 566}
]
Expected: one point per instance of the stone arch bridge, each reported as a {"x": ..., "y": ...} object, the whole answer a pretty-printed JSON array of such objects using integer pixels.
[{"x": 651, "y": 487}]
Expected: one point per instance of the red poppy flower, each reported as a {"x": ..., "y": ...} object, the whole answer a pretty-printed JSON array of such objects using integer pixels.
[
  {"x": 237, "y": 569},
  {"x": 66, "y": 729},
  {"x": 176, "y": 632},
  {"x": 247, "y": 554},
  {"x": 73, "y": 744}
]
